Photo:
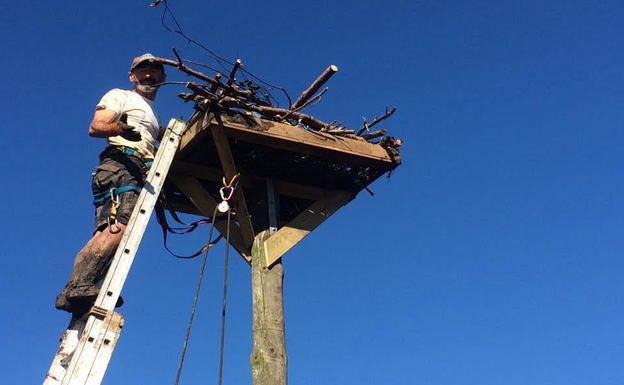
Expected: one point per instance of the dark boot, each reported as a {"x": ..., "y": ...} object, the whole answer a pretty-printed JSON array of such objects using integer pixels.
[
  {"x": 80, "y": 300},
  {"x": 81, "y": 289}
]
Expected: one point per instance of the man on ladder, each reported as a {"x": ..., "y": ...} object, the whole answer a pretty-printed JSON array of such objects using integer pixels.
[{"x": 128, "y": 121}]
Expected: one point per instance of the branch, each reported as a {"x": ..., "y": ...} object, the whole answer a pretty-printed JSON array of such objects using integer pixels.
[
  {"x": 276, "y": 113},
  {"x": 314, "y": 99},
  {"x": 230, "y": 89},
  {"x": 376, "y": 120},
  {"x": 374, "y": 134},
  {"x": 322, "y": 79}
]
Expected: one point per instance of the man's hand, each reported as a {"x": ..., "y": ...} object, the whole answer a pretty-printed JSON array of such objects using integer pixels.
[{"x": 124, "y": 130}]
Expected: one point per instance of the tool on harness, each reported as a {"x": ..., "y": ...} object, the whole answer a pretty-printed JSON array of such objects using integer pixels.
[
  {"x": 113, "y": 195},
  {"x": 114, "y": 192}
]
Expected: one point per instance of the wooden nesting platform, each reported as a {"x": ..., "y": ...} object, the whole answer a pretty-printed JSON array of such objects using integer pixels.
[{"x": 290, "y": 179}]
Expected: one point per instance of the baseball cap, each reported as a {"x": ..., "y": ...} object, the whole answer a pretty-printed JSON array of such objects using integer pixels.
[{"x": 143, "y": 58}]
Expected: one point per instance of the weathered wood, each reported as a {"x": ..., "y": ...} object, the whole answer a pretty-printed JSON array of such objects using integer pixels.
[
  {"x": 235, "y": 68},
  {"x": 269, "y": 362},
  {"x": 276, "y": 113},
  {"x": 302, "y": 225},
  {"x": 286, "y": 137},
  {"x": 229, "y": 89},
  {"x": 194, "y": 134},
  {"x": 229, "y": 169},
  {"x": 322, "y": 79},
  {"x": 376, "y": 120},
  {"x": 281, "y": 187}
]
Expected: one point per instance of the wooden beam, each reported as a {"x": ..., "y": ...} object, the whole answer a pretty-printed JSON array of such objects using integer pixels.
[
  {"x": 229, "y": 169},
  {"x": 303, "y": 224},
  {"x": 296, "y": 139},
  {"x": 194, "y": 134},
  {"x": 205, "y": 204},
  {"x": 281, "y": 187},
  {"x": 198, "y": 171}
]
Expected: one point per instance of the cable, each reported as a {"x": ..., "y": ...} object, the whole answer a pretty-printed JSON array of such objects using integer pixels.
[
  {"x": 194, "y": 306},
  {"x": 177, "y": 28},
  {"x": 225, "y": 282}
]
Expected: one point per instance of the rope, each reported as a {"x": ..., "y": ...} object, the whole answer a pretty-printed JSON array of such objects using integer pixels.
[
  {"x": 225, "y": 282},
  {"x": 226, "y": 193},
  {"x": 194, "y": 306}
]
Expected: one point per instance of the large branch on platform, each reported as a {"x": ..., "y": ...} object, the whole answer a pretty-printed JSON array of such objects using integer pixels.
[{"x": 322, "y": 79}]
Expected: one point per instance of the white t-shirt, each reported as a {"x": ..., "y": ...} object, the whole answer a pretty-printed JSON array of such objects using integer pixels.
[{"x": 141, "y": 115}]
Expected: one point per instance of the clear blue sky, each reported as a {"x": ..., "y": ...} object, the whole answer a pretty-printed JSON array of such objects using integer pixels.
[{"x": 492, "y": 256}]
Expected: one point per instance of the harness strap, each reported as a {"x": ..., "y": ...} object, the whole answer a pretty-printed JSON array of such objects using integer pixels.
[
  {"x": 115, "y": 149},
  {"x": 104, "y": 196},
  {"x": 160, "y": 209}
]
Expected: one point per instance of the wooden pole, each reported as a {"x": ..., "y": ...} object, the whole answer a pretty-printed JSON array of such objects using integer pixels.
[{"x": 268, "y": 357}]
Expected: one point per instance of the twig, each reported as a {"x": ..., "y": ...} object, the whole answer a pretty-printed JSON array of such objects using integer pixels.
[
  {"x": 276, "y": 113},
  {"x": 378, "y": 119},
  {"x": 374, "y": 134}
]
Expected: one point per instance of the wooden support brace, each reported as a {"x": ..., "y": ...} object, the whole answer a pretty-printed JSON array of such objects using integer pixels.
[
  {"x": 229, "y": 169},
  {"x": 298, "y": 228}
]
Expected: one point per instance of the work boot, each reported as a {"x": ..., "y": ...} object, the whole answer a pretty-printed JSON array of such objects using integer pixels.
[
  {"x": 78, "y": 299},
  {"x": 81, "y": 291},
  {"x": 62, "y": 303}
]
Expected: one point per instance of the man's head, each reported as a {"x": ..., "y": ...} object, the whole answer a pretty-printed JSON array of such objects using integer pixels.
[{"x": 146, "y": 75}]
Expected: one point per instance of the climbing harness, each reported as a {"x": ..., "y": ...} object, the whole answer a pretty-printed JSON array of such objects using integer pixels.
[
  {"x": 123, "y": 150},
  {"x": 113, "y": 195}
]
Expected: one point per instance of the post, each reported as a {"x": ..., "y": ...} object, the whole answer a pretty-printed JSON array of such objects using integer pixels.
[{"x": 268, "y": 357}]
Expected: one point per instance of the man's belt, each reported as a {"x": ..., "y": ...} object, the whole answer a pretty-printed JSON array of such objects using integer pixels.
[{"x": 123, "y": 150}]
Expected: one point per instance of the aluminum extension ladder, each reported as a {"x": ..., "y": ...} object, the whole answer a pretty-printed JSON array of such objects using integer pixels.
[{"x": 87, "y": 345}]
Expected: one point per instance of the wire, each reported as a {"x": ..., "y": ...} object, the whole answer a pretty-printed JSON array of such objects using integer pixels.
[
  {"x": 194, "y": 306},
  {"x": 225, "y": 285},
  {"x": 177, "y": 28}
]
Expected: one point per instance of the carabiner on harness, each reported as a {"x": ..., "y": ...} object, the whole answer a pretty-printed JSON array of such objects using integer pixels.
[{"x": 114, "y": 227}]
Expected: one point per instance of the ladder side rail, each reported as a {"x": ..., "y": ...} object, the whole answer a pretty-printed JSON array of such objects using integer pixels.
[
  {"x": 68, "y": 343},
  {"x": 99, "y": 337},
  {"x": 120, "y": 266}
]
